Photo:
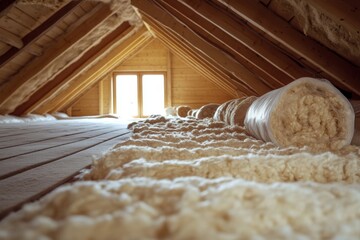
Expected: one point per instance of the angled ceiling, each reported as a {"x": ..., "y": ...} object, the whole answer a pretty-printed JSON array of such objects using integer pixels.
[{"x": 51, "y": 52}]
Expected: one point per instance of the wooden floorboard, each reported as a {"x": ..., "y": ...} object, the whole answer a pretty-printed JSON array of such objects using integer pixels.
[{"x": 44, "y": 165}]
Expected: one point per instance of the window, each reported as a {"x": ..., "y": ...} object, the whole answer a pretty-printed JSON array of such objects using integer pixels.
[{"x": 139, "y": 94}]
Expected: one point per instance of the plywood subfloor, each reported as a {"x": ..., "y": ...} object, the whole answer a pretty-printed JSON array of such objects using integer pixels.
[{"x": 37, "y": 157}]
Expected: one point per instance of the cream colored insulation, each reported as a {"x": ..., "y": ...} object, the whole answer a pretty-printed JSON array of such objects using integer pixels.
[
  {"x": 207, "y": 111},
  {"x": 179, "y": 178},
  {"x": 124, "y": 12},
  {"x": 182, "y": 111},
  {"x": 307, "y": 112}
]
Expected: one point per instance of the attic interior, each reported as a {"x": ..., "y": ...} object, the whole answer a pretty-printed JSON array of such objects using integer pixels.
[{"x": 200, "y": 173}]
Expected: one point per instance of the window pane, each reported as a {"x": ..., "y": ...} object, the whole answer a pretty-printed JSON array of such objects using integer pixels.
[
  {"x": 126, "y": 95},
  {"x": 153, "y": 94}
]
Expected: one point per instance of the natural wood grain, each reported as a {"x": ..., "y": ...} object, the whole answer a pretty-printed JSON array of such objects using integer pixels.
[
  {"x": 28, "y": 177},
  {"x": 236, "y": 69},
  {"x": 29, "y": 72},
  {"x": 342, "y": 73}
]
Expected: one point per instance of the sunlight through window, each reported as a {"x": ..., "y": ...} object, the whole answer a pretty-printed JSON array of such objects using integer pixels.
[
  {"x": 153, "y": 94},
  {"x": 149, "y": 89},
  {"x": 127, "y": 96}
]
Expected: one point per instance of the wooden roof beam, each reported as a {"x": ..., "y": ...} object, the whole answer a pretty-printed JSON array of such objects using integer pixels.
[
  {"x": 342, "y": 72},
  {"x": 36, "y": 33},
  {"x": 205, "y": 28},
  {"x": 5, "y": 5},
  {"x": 47, "y": 91},
  {"x": 199, "y": 61},
  {"x": 112, "y": 58},
  {"x": 248, "y": 38},
  {"x": 207, "y": 68},
  {"x": 18, "y": 84},
  {"x": 238, "y": 70}
]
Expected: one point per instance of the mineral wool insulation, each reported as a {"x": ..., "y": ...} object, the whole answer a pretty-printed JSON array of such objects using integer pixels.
[
  {"x": 122, "y": 12},
  {"x": 183, "y": 178}
]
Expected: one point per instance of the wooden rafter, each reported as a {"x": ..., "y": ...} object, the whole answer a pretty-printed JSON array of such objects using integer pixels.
[
  {"x": 37, "y": 32},
  {"x": 198, "y": 62},
  {"x": 5, "y": 4},
  {"x": 95, "y": 73},
  {"x": 239, "y": 71},
  {"x": 342, "y": 72},
  {"x": 18, "y": 83},
  {"x": 72, "y": 71},
  {"x": 209, "y": 31},
  {"x": 246, "y": 37}
]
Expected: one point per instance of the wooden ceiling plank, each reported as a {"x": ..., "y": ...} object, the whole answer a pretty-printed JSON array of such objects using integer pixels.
[
  {"x": 205, "y": 28},
  {"x": 42, "y": 94},
  {"x": 342, "y": 72},
  {"x": 5, "y": 5},
  {"x": 103, "y": 66},
  {"x": 201, "y": 64},
  {"x": 254, "y": 41},
  {"x": 11, "y": 39},
  {"x": 55, "y": 51},
  {"x": 238, "y": 70},
  {"x": 37, "y": 32}
]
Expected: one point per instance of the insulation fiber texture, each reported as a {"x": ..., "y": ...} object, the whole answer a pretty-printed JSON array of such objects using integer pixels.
[
  {"x": 187, "y": 178},
  {"x": 307, "y": 112}
]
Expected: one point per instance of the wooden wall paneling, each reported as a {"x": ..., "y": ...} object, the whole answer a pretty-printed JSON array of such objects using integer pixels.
[
  {"x": 169, "y": 80},
  {"x": 236, "y": 69},
  {"x": 88, "y": 104},
  {"x": 204, "y": 65},
  {"x": 191, "y": 88},
  {"x": 96, "y": 72},
  {"x": 54, "y": 86},
  {"x": 105, "y": 94},
  {"x": 218, "y": 37},
  {"x": 201, "y": 66},
  {"x": 250, "y": 39},
  {"x": 34, "y": 35},
  {"x": 18, "y": 82},
  {"x": 151, "y": 58},
  {"x": 342, "y": 72}
]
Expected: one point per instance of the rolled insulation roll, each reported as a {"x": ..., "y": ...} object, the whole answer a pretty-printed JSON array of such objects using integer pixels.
[
  {"x": 238, "y": 113},
  {"x": 181, "y": 111},
  {"x": 230, "y": 108},
  {"x": 307, "y": 112},
  {"x": 207, "y": 111}
]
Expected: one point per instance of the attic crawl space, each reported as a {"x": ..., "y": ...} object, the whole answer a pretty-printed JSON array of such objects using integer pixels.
[{"x": 179, "y": 119}]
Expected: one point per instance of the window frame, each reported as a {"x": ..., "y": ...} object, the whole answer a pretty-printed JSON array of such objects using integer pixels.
[{"x": 139, "y": 75}]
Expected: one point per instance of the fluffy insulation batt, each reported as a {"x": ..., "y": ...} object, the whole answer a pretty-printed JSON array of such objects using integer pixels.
[
  {"x": 201, "y": 179},
  {"x": 306, "y": 112},
  {"x": 207, "y": 111}
]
